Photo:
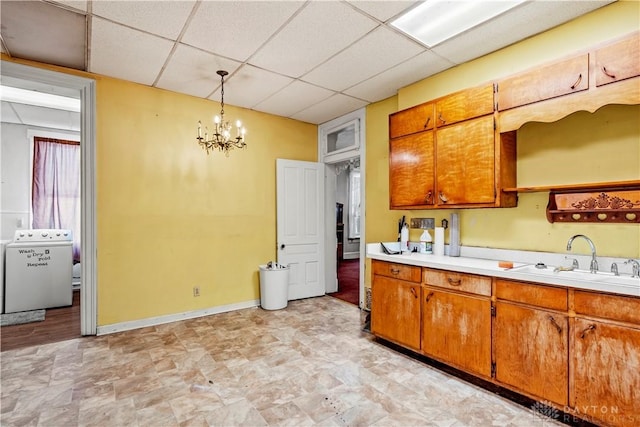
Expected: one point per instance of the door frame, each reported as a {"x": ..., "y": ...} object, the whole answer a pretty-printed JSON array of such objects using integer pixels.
[
  {"x": 330, "y": 188},
  {"x": 87, "y": 94}
]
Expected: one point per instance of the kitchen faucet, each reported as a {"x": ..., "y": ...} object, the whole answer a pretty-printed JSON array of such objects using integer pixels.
[
  {"x": 593, "y": 267},
  {"x": 636, "y": 267}
]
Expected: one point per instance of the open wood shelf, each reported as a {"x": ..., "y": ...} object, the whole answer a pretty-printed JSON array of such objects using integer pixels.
[{"x": 597, "y": 186}]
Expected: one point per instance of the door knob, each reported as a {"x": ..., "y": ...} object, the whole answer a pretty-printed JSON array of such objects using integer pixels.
[{"x": 282, "y": 246}]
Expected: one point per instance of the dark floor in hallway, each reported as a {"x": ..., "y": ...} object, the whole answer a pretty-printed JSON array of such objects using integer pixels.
[{"x": 348, "y": 281}]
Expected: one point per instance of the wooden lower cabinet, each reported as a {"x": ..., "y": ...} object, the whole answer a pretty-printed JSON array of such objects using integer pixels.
[
  {"x": 531, "y": 351},
  {"x": 575, "y": 350},
  {"x": 456, "y": 329},
  {"x": 606, "y": 374},
  {"x": 395, "y": 311}
]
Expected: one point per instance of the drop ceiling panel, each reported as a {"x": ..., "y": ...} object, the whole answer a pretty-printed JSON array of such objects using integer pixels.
[
  {"x": 80, "y": 5},
  {"x": 386, "y": 83},
  {"x": 236, "y": 29},
  {"x": 163, "y": 18},
  {"x": 515, "y": 25},
  {"x": 383, "y": 10},
  {"x": 193, "y": 71},
  {"x": 293, "y": 98},
  {"x": 330, "y": 108},
  {"x": 8, "y": 114},
  {"x": 376, "y": 52},
  {"x": 43, "y": 32},
  {"x": 47, "y": 117},
  {"x": 250, "y": 85},
  {"x": 297, "y": 49},
  {"x": 121, "y": 52}
]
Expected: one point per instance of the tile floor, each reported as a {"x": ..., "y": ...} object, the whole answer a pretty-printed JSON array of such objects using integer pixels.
[{"x": 307, "y": 365}]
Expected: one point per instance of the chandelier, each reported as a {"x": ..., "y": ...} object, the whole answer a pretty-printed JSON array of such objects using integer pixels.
[{"x": 221, "y": 138}]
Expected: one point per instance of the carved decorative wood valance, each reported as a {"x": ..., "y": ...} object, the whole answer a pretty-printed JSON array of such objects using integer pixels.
[{"x": 595, "y": 205}]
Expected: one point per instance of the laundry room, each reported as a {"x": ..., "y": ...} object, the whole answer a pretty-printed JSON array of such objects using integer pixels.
[{"x": 40, "y": 202}]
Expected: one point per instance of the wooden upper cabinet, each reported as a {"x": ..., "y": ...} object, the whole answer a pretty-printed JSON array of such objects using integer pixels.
[
  {"x": 411, "y": 171},
  {"x": 464, "y": 105},
  {"x": 412, "y": 120},
  {"x": 618, "y": 61},
  {"x": 465, "y": 162},
  {"x": 550, "y": 81}
]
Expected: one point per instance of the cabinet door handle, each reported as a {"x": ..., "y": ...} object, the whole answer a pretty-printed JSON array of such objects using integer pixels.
[
  {"x": 429, "y": 296},
  {"x": 394, "y": 271},
  {"x": 443, "y": 198},
  {"x": 575, "y": 85},
  {"x": 443, "y": 121},
  {"x": 588, "y": 329},
  {"x": 414, "y": 293},
  {"x": 608, "y": 74},
  {"x": 428, "y": 197},
  {"x": 427, "y": 122},
  {"x": 454, "y": 282},
  {"x": 554, "y": 323}
]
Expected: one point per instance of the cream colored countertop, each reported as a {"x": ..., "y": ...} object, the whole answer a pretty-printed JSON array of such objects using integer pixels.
[{"x": 484, "y": 261}]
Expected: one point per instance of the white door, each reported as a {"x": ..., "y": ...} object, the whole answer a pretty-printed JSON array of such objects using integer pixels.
[{"x": 300, "y": 225}]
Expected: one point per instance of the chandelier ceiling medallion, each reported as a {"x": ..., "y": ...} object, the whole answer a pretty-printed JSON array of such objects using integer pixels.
[{"x": 221, "y": 139}]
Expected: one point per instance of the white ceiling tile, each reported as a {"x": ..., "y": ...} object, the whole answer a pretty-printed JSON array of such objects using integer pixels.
[
  {"x": 517, "y": 24},
  {"x": 7, "y": 113},
  {"x": 387, "y": 83},
  {"x": 80, "y": 5},
  {"x": 383, "y": 10},
  {"x": 163, "y": 18},
  {"x": 236, "y": 29},
  {"x": 293, "y": 98},
  {"x": 44, "y": 32},
  {"x": 378, "y": 51},
  {"x": 328, "y": 109},
  {"x": 250, "y": 85},
  {"x": 124, "y": 53},
  {"x": 193, "y": 71},
  {"x": 297, "y": 48},
  {"x": 47, "y": 117}
]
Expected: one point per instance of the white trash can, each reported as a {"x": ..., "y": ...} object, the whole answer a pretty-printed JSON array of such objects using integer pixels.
[{"x": 274, "y": 286}]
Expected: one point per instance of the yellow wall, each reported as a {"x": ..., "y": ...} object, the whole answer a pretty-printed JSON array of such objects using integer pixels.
[
  {"x": 583, "y": 147},
  {"x": 169, "y": 217}
]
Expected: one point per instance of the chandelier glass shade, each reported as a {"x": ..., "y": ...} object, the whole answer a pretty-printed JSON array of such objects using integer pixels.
[{"x": 222, "y": 138}]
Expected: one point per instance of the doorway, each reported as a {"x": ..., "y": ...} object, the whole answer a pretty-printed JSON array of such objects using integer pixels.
[
  {"x": 83, "y": 89},
  {"x": 341, "y": 148}
]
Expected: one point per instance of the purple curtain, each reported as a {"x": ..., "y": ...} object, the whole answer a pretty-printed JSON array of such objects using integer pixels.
[{"x": 56, "y": 187}]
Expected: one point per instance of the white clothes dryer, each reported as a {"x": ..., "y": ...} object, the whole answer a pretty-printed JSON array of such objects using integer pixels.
[{"x": 38, "y": 270}]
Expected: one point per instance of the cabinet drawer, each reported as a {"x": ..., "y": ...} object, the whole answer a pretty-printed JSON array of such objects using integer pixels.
[
  {"x": 532, "y": 294},
  {"x": 618, "y": 61},
  {"x": 409, "y": 273},
  {"x": 614, "y": 307},
  {"x": 412, "y": 120},
  {"x": 464, "y": 105},
  {"x": 464, "y": 282},
  {"x": 560, "y": 78}
]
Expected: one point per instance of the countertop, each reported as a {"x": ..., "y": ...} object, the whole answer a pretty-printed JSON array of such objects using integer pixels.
[{"x": 484, "y": 262}]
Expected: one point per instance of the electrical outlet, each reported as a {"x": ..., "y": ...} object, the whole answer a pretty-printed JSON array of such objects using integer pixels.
[{"x": 196, "y": 291}]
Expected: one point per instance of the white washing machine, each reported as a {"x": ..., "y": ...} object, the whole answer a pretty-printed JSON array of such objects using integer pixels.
[
  {"x": 38, "y": 270},
  {"x": 3, "y": 244}
]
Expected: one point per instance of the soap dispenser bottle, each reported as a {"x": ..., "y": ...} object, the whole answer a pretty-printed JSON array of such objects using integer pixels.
[{"x": 426, "y": 243}]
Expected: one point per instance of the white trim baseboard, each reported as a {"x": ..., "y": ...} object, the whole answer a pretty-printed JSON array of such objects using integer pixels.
[
  {"x": 159, "y": 320},
  {"x": 351, "y": 255}
]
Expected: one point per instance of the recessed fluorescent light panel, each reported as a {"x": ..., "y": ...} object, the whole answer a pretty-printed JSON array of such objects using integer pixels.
[
  {"x": 40, "y": 99},
  {"x": 435, "y": 21}
]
